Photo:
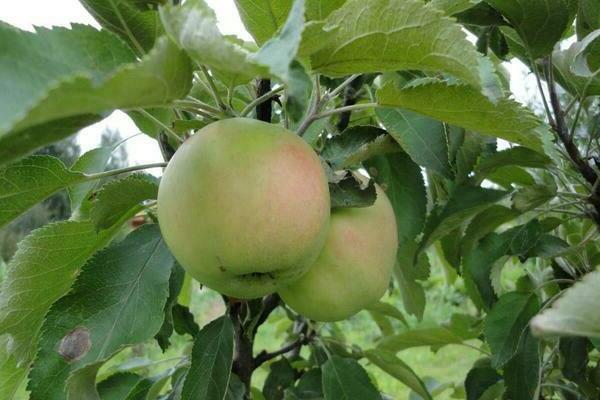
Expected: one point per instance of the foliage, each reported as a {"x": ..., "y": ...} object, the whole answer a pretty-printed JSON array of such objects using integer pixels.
[{"x": 497, "y": 204}]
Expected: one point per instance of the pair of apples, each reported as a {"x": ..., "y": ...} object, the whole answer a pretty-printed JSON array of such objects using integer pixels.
[{"x": 244, "y": 206}]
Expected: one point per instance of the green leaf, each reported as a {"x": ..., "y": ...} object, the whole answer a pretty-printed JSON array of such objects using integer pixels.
[
  {"x": 397, "y": 368},
  {"x": 451, "y": 7},
  {"x": 116, "y": 301},
  {"x": 230, "y": 60},
  {"x": 424, "y": 139},
  {"x": 525, "y": 237},
  {"x": 408, "y": 36},
  {"x": 464, "y": 203},
  {"x": 193, "y": 26},
  {"x": 212, "y": 357},
  {"x": 166, "y": 330},
  {"x": 147, "y": 388},
  {"x": 548, "y": 246},
  {"x": 354, "y": 145},
  {"x": 587, "y": 59},
  {"x": 479, "y": 263},
  {"x": 281, "y": 376},
  {"x": 345, "y": 379},
  {"x": 435, "y": 337},
  {"x": 298, "y": 92},
  {"x": 42, "y": 271},
  {"x": 309, "y": 387},
  {"x": 236, "y": 390},
  {"x": 403, "y": 183},
  {"x": 12, "y": 376},
  {"x": 588, "y": 18},
  {"x": 575, "y": 353},
  {"x": 384, "y": 324},
  {"x": 484, "y": 223},
  {"x": 278, "y": 53},
  {"x": 494, "y": 392},
  {"x": 479, "y": 379},
  {"x": 530, "y": 197},
  {"x": 574, "y": 313},
  {"x": 467, "y": 154},
  {"x": 521, "y": 374},
  {"x": 540, "y": 23},
  {"x": 482, "y": 14},
  {"x": 177, "y": 382},
  {"x": 348, "y": 193},
  {"x": 120, "y": 197},
  {"x": 582, "y": 86},
  {"x": 518, "y": 156},
  {"x": 87, "y": 73},
  {"x": 90, "y": 162},
  {"x": 25, "y": 183},
  {"x": 464, "y": 106},
  {"x": 118, "y": 386},
  {"x": 263, "y": 18},
  {"x": 507, "y": 323},
  {"x": 152, "y": 127},
  {"x": 134, "y": 21},
  {"x": 408, "y": 273},
  {"x": 448, "y": 250},
  {"x": 183, "y": 321},
  {"x": 387, "y": 310},
  {"x": 510, "y": 175}
]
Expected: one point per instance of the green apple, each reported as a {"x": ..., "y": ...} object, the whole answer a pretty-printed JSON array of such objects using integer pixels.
[
  {"x": 244, "y": 207},
  {"x": 355, "y": 266}
]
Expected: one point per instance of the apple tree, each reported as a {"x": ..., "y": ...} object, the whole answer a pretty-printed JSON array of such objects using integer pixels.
[{"x": 343, "y": 153}]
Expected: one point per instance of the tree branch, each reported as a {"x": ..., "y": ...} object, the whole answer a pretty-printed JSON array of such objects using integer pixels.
[
  {"x": 243, "y": 361},
  {"x": 350, "y": 99},
  {"x": 264, "y": 109},
  {"x": 165, "y": 147},
  {"x": 560, "y": 126},
  {"x": 264, "y": 356},
  {"x": 270, "y": 303}
]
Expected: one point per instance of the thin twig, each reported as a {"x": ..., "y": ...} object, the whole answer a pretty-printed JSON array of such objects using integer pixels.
[
  {"x": 213, "y": 88},
  {"x": 259, "y": 100},
  {"x": 119, "y": 171},
  {"x": 313, "y": 108},
  {"x": 341, "y": 87},
  {"x": 264, "y": 356},
  {"x": 339, "y": 110},
  {"x": 302, "y": 129},
  {"x": 168, "y": 130},
  {"x": 192, "y": 101},
  {"x": 588, "y": 173},
  {"x": 541, "y": 89},
  {"x": 270, "y": 303}
]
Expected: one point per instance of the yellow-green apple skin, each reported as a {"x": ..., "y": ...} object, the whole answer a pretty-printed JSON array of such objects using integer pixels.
[
  {"x": 353, "y": 269},
  {"x": 244, "y": 207}
]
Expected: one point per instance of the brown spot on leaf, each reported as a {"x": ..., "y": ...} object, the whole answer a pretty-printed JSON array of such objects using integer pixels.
[{"x": 75, "y": 344}]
